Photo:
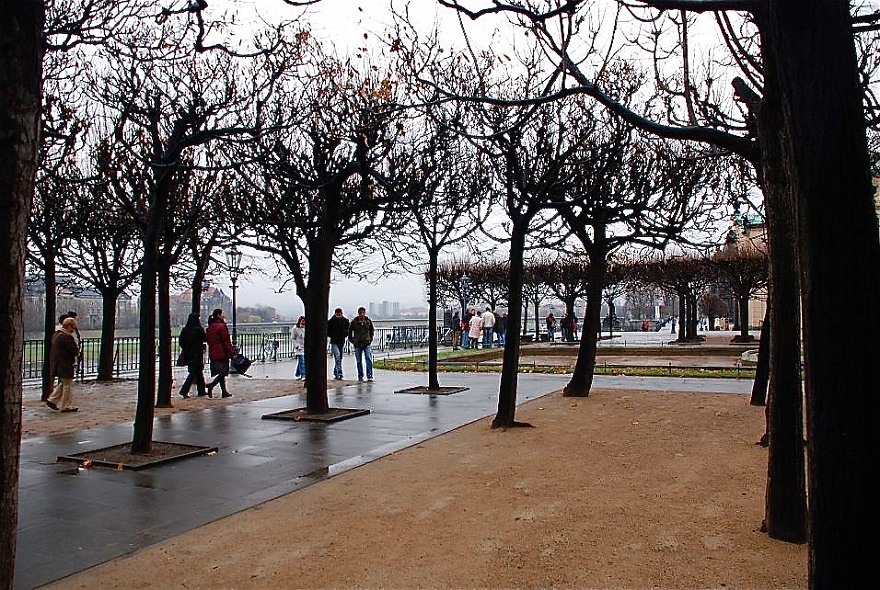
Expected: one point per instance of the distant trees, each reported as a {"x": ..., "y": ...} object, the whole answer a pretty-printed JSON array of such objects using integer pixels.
[{"x": 743, "y": 269}]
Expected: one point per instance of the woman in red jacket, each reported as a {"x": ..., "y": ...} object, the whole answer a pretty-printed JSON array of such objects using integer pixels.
[{"x": 220, "y": 350}]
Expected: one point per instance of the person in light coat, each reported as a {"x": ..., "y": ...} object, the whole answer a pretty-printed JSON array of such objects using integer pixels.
[
  {"x": 476, "y": 327},
  {"x": 298, "y": 344}
]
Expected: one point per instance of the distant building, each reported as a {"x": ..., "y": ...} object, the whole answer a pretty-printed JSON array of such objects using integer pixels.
[
  {"x": 88, "y": 304},
  {"x": 386, "y": 309},
  {"x": 212, "y": 298}
]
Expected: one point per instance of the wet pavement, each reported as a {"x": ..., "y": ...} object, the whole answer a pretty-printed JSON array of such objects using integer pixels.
[{"x": 72, "y": 518}]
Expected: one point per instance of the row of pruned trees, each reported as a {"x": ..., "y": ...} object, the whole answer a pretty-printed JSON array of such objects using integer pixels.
[{"x": 694, "y": 279}]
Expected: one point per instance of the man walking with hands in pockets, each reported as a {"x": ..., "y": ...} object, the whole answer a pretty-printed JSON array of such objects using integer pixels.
[{"x": 360, "y": 333}]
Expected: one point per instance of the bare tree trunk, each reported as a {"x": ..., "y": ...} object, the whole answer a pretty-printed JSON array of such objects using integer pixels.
[
  {"x": 433, "y": 380},
  {"x": 743, "y": 306},
  {"x": 762, "y": 369},
  {"x": 49, "y": 319},
  {"x": 108, "y": 334},
  {"x": 21, "y": 27},
  {"x": 165, "y": 382},
  {"x": 316, "y": 302},
  {"x": 582, "y": 378},
  {"x": 824, "y": 151},
  {"x": 142, "y": 440},
  {"x": 785, "y": 513},
  {"x": 505, "y": 417},
  {"x": 682, "y": 315}
]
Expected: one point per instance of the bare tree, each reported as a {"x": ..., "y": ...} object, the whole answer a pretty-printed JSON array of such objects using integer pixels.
[
  {"x": 160, "y": 112},
  {"x": 319, "y": 185},
  {"x": 447, "y": 178}
]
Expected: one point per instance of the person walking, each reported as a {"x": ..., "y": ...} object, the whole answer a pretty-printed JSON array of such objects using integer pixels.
[
  {"x": 192, "y": 341},
  {"x": 455, "y": 328},
  {"x": 476, "y": 324},
  {"x": 220, "y": 351},
  {"x": 298, "y": 344},
  {"x": 488, "y": 327},
  {"x": 337, "y": 332},
  {"x": 360, "y": 333},
  {"x": 551, "y": 327},
  {"x": 62, "y": 364}
]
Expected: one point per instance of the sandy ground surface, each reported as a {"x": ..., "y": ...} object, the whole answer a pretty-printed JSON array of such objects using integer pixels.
[{"x": 624, "y": 489}]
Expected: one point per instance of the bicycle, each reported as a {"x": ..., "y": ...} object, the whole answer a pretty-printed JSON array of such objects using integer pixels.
[{"x": 268, "y": 350}]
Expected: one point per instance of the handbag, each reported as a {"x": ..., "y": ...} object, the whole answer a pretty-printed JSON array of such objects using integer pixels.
[
  {"x": 181, "y": 360},
  {"x": 240, "y": 364}
]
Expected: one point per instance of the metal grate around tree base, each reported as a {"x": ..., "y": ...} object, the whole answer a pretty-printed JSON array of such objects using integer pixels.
[
  {"x": 423, "y": 390},
  {"x": 303, "y": 415},
  {"x": 120, "y": 456}
]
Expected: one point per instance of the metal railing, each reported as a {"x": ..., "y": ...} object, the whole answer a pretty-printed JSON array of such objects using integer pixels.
[{"x": 257, "y": 346}]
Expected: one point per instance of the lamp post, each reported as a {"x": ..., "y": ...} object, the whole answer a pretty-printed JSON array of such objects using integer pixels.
[
  {"x": 465, "y": 282},
  {"x": 233, "y": 261}
]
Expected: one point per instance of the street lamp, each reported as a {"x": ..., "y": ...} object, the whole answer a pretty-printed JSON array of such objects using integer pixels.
[
  {"x": 233, "y": 261},
  {"x": 465, "y": 282}
]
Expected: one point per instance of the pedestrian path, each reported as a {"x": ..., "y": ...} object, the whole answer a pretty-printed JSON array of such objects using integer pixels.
[{"x": 73, "y": 518}]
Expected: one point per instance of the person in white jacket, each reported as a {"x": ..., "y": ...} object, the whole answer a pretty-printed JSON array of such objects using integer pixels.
[
  {"x": 476, "y": 326},
  {"x": 488, "y": 327},
  {"x": 298, "y": 344}
]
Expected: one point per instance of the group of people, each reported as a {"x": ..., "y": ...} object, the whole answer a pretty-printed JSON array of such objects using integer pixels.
[
  {"x": 193, "y": 340},
  {"x": 359, "y": 331},
  {"x": 476, "y": 328},
  {"x": 568, "y": 325}
]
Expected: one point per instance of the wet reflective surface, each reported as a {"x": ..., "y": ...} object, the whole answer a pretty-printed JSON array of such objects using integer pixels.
[{"x": 72, "y": 518}]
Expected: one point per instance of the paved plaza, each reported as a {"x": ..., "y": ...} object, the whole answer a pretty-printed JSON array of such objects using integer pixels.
[{"x": 73, "y": 518}]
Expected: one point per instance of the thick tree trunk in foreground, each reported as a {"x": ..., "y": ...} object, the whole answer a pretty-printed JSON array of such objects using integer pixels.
[
  {"x": 142, "y": 439},
  {"x": 316, "y": 302},
  {"x": 825, "y": 157},
  {"x": 165, "y": 382},
  {"x": 21, "y": 26},
  {"x": 505, "y": 417},
  {"x": 433, "y": 379},
  {"x": 785, "y": 512}
]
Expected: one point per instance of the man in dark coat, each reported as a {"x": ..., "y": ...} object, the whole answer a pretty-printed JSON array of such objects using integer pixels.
[
  {"x": 192, "y": 348},
  {"x": 62, "y": 364},
  {"x": 360, "y": 333},
  {"x": 337, "y": 332}
]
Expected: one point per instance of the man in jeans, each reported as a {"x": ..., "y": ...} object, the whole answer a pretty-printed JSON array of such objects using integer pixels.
[
  {"x": 337, "y": 330},
  {"x": 488, "y": 326},
  {"x": 361, "y": 335}
]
